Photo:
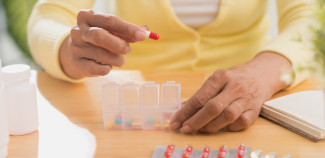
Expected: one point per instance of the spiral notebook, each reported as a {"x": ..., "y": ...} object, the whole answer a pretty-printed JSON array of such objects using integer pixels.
[{"x": 302, "y": 112}]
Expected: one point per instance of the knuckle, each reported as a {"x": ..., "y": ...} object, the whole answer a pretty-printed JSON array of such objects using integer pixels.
[
  {"x": 213, "y": 108},
  {"x": 215, "y": 75},
  {"x": 94, "y": 36},
  {"x": 220, "y": 74},
  {"x": 199, "y": 100},
  {"x": 245, "y": 121},
  {"x": 225, "y": 74},
  {"x": 230, "y": 114},
  {"x": 240, "y": 88},
  {"x": 83, "y": 13},
  {"x": 75, "y": 32},
  {"x": 111, "y": 20},
  {"x": 121, "y": 46}
]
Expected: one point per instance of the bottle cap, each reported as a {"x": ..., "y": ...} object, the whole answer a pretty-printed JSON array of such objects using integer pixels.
[
  {"x": 13, "y": 73},
  {"x": 4, "y": 151}
]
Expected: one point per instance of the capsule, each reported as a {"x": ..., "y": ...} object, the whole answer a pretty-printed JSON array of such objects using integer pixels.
[
  {"x": 186, "y": 155},
  {"x": 240, "y": 151},
  {"x": 168, "y": 154},
  {"x": 152, "y": 35},
  {"x": 205, "y": 155},
  {"x": 222, "y": 151},
  {"x": 189, "y": 149},
  {"x": 171, "y": 148},
  {"x": 206, "y": 149}
]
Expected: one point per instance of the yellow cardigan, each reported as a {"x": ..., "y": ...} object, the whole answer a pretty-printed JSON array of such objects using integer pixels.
[{"x": 237, "y": 34}]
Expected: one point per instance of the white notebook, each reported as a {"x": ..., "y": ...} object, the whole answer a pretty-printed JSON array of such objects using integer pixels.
[{"x": 302, "y": 112}]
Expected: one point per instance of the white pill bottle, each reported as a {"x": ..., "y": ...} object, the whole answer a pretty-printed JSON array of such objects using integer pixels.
[
  {"x": 20, "y": 99},
  {"x": 4, "y": 135}
]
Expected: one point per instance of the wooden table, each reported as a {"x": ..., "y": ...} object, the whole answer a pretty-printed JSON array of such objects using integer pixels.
[{"x": 71, "y": 124}]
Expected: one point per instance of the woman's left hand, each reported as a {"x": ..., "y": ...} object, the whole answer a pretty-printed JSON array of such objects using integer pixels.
[{"x": 232, "y": 98}]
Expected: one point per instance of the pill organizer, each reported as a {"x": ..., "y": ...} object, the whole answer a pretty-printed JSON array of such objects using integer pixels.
[{"x": 147, "y": 106}]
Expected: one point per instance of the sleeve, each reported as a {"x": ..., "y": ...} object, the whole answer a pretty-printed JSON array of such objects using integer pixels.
[
  {"x": 49, "y": 24},
  {"x": 292, "y": 42}
]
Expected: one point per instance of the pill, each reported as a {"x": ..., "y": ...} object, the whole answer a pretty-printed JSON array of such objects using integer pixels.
[{"x": 152, "y": 35}]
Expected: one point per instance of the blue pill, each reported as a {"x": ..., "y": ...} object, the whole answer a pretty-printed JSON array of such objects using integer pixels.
[{"x": 118, "y": 121}]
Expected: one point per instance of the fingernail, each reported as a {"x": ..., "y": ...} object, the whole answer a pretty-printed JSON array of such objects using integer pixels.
[
  {"x": 145, "y": 27},
  {"x": 174, "y": 126},
  {"x": 186, "y": 129},
  {"x": 140, "y": 35}
]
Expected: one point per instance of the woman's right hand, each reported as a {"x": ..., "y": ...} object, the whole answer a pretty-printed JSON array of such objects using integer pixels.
[{"x": 97, "y": 43}]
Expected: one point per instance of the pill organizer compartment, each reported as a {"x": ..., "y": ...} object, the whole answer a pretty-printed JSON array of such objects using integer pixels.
[
  {"x": 150, "y": 94},
  {"x": 170, "y": 101},
  {"x": 111, "y": 106},
  {"x": 130, "y": 104}
]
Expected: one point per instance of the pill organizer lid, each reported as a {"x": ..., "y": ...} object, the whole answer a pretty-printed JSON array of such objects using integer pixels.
[
  {"x": 15, "y": 72},
  {"x": 4, "y": 151}
]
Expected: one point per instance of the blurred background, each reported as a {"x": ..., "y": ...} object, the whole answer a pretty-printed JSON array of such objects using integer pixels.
[{"x": 14, "y": 15}]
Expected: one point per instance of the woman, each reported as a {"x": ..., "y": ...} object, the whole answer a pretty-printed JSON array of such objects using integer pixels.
[{"x": 229, "y": 36}]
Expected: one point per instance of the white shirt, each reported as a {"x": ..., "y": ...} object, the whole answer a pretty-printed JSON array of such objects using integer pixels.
[{"x": 196, "y": 13}]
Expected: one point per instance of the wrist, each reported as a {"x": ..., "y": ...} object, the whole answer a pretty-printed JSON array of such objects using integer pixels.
[{"x": 270, "y": 67}]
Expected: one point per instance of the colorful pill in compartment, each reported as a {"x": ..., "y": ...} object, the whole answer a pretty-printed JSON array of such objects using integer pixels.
[{"x": 112, "y": 120}]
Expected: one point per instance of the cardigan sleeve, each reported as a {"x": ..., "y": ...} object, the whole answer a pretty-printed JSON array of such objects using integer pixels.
[
  {"x": 292, "y": 42},
  {"x": 48, "y": 26}
]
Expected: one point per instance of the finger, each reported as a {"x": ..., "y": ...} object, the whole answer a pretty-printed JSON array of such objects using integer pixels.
[
  {"x": 145, "y": 27},
  {"x": 101, "y": 38},
  {"x": 76, "y": 35},
  {"x": 210, "y": 111},
  {"x": 99, "y": 55},
  {"x": 229, "y": 115},
  {"x": 245, "y": 120},
  {"x": 210, "y": 88},
  {"x": 126, "y": 37},
  {"x": 112, "y": 24},
  {"x": 92, "y": 69}
]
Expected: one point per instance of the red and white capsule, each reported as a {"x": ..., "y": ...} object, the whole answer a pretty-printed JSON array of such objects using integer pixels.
[
  {"x": 241, "y": 151},
  {"x": 205, "y": 155},
  {"x": 171, "y": 148},
  {"x": 222, "y": 152},
  {"x": 168, "y": 154},
  {"x": 186, "y": 155},
  {"x": 189, "y": 149},
  {"x": 152, "y": 35},
  {"x": 206, "y": 149}
]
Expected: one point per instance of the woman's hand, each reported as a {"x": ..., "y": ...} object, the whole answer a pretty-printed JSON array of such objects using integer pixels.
[
  {"x": 232, "y": 98},
  {"x": 97, "y": 43}
]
